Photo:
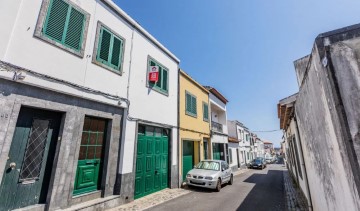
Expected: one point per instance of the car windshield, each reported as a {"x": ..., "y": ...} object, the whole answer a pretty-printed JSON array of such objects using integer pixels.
[
  {"x": 257, "y": 161},
  {"x": 208, "y": 165}
]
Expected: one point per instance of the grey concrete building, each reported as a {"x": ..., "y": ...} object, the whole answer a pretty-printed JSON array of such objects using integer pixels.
[{"x": 328, "y": 118}]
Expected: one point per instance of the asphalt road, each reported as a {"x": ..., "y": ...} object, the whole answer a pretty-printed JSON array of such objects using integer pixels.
[{"x": 254, "y": 190}]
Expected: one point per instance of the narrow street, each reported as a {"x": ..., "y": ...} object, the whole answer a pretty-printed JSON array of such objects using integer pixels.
[{"x": 253, "y": 190}]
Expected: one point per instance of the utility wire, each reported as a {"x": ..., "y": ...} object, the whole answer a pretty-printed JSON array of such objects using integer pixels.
[{"x": 265, "y": 131}]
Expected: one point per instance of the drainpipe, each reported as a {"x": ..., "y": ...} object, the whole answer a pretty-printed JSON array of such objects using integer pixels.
[
  {"x": 178, "y": 124},
  {"x": 304, "y": 166}
]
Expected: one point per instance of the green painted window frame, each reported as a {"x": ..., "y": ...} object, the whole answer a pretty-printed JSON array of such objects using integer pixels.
[
  {"x": 162, "y": 85},
  {"x": 192, "y": 110},
  {"x": 108, "y": 63},
  {"x": 63, "y": 41},
  {"x": 205, "y": 114}
]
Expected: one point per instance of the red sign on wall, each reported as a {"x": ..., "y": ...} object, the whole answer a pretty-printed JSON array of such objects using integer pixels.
[{"x": 154, "y": 73}]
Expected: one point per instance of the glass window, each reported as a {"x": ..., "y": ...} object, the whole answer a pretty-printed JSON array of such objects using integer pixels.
[
  {"x": 162, "y": 83},
  {"x": 190, "y": 104},
  {"x": 65, "y": 24}
]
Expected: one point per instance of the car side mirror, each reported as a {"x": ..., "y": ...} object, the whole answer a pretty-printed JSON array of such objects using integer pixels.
[{"x": 223, "y": 169}]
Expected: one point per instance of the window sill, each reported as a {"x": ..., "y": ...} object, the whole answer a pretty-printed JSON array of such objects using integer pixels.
[
  {"x": 190, "y": 114},
  {"x": 118, "y": 72}
]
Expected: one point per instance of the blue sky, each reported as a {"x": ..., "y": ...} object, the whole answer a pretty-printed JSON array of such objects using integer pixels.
[{"x": 243, "y": 48}]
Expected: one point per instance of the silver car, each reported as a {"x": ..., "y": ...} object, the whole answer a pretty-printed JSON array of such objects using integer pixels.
[{"x": 210, "y": 174}]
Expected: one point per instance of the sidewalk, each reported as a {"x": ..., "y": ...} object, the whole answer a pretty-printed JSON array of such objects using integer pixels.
[
  {"x": 159, "y": 197},
  {"x": 295, "y": 201}
]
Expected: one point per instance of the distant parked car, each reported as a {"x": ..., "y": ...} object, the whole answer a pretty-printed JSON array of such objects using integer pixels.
[
  {"x": 262, "y": 159},
  {"x": 257, "y": 163},
  {"x": 269, "y": 159},
  {"x": 210, "y": 174}
]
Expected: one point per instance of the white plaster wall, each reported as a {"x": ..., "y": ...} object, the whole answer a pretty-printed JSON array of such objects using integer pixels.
[
  {"x": 219, "y": 139},
  {"x": 221, "y": 116},
  {"x": 8, "y": 11},
  {"x": 29, "y": 52},
  {"x": 26, "y": 51},
  {"x": 233, "y": 147},
  {"x": 148, "y": 104}
]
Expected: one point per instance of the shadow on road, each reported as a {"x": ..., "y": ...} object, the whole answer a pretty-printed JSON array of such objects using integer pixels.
[
  {"x": 268, "y": 192},
  {"x": 201, "y": 189}
]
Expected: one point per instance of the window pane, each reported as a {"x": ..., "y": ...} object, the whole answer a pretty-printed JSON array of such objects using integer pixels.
[
  {"x": 93, "y": 137},
  {"x": 101, "y": 126},
  {"x": 94, "y": 124},
  {"x": 82, "y": 154},
  {"x": 87, "y": 124},
  {"x": 56, "y": 20},
  {"x": 100, "y": 139},
  {"x": 105, "y": 45},
  {"x": 84, "y": 138},
  {"x": 75, "y": 29},
  {"x": 98, "y": 152},
  {"x": 91, "y": 152}
]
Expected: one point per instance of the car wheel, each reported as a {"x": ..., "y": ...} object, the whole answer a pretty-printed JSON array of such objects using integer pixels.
[
  {"x": 218, "y": 186},
  {"x": 231, "y": 181}
]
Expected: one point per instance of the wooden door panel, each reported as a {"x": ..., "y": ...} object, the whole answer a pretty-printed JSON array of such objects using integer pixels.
[
  {"x": 90, "y": 156},
  {"x": 32, "y": 150},
  {"x": 154, "y": 177}
]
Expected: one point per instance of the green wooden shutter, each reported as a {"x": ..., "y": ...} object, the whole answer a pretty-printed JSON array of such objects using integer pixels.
[
  {"x": 206, "y": 112},
  {"x": 116, "y": 52},
  {"x": 158, "y": 83},
  {"x": 165, "y": 80},
  {"x": 193, "y": 105},
  {"x": 56, "y": 20},
  {"x": 188, "y": 103},
  {"x": 74, "y": 29},
  {"x": 104, "y": 50}
]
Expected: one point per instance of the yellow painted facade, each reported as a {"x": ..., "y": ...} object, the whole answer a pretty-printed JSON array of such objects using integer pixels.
[{"x": 193, "y": 128}]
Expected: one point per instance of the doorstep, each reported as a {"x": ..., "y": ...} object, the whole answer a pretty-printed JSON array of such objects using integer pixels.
[
  {"x": 152, "y": 199},
  {"x": 96, "y": 204}
]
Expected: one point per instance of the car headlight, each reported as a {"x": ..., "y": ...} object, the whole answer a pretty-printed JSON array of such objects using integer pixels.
[
  {"x": 188, "y": 175},
  {"x": 209, "y": 178}
]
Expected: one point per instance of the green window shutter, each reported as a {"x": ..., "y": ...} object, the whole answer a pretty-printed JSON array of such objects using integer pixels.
[
  {"x": 64, "y": 24},
  {"x": 104, "y": 50},
  {"x": 74, "y": 29},
  {"x": 116, "y": 52},
  {"x": 188, "y": 103},
  {"x": 56, "y": 20},
  {"x": 158, "y": 83},
  {"x": 206, "y": 112},
  {"x": 165, "y": 80},
  {"x": 193, "y": 105},
  {"x": 162, "y": 83}
]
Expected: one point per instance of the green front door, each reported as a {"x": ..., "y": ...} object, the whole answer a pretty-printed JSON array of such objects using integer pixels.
[
  {"x": 151, "y": 160},
  {"x": 188, "y": 157},
  {"x": 216, "y": 151},
  {"x": 90, "y": 156},
  {"x": 28, "y": 168}
]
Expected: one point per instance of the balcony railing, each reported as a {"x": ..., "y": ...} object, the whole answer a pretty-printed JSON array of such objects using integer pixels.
[{"x": 217, "y": 127}]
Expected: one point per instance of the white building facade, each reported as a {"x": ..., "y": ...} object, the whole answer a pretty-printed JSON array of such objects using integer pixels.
[
  {"x": 74, "y": 89},
  {"x": 219, "y": 130}
]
